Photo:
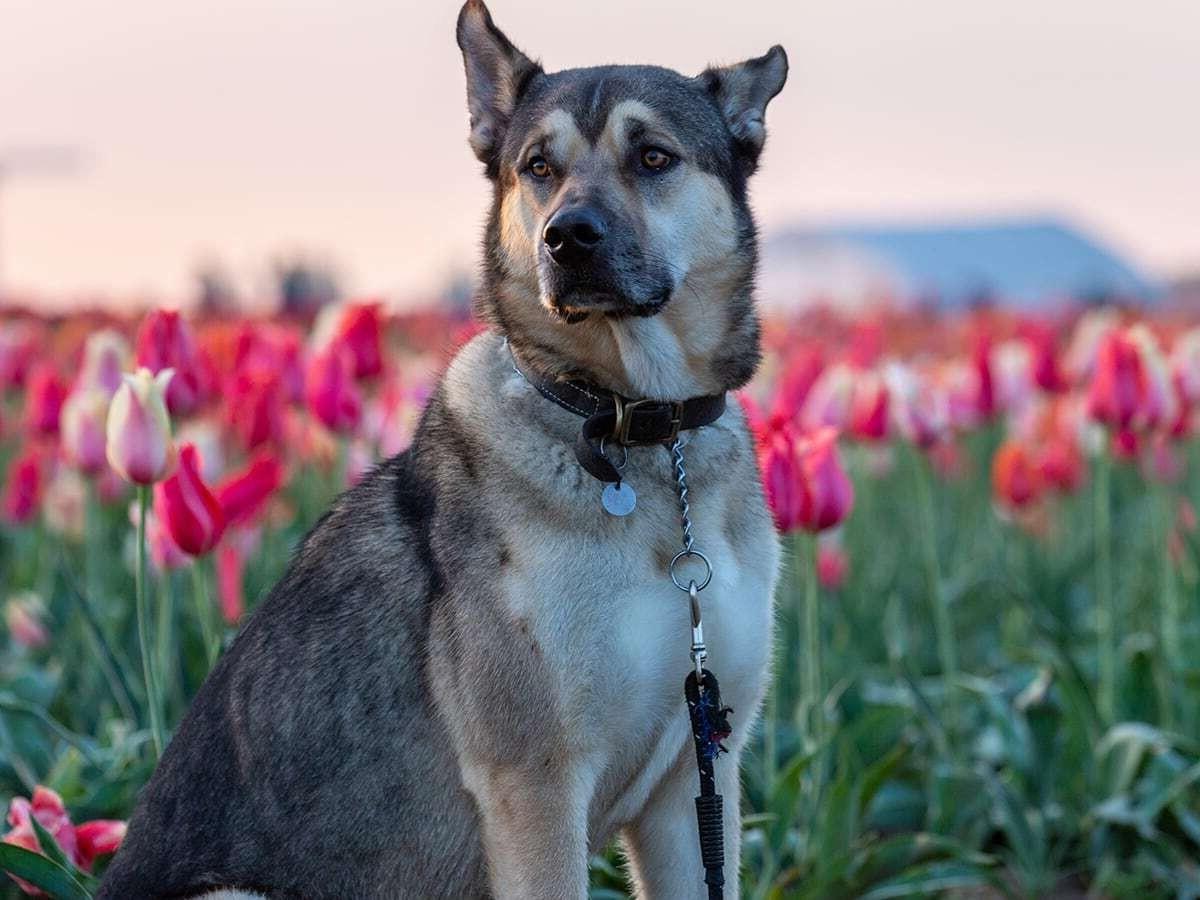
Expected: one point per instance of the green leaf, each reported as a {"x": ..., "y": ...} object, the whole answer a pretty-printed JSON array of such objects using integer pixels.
[
  {"x": 932, "y": 879},
  {"x": 49, "y": 845},
  {"x": 41, "y": 872}
]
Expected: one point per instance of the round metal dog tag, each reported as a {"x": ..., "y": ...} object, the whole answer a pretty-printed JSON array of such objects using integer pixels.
[{"x": 618, "y": 498}]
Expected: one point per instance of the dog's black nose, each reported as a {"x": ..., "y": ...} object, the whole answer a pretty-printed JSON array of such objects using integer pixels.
[{"x": 572, "y": 235}]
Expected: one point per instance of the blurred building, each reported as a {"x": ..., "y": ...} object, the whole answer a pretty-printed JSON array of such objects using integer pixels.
[{"x": 1036, "y": 261}]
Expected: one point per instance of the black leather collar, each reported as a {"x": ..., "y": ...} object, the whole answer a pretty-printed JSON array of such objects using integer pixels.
[{"x": 609, "y": 418}]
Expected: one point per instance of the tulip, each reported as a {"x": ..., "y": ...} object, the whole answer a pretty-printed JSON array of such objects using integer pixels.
[
  {"x": 1185, "y": 366},
  {"x": 827, "y": 495},
  {"x": 1160, "y": 402},
  {"x": 23, "y": 614},
  {"x": 44, "y": 397},
  {"x": 64, "y": 504},
  {"x": 188, "y": 508},
  {"x": 18, "y": 350},
  {"x": 330, "y": 392},
  {"x": 360, "y": 330},
  {"x": 1012, "y": 365},
  {"x": 105, "y": 357},
  {"x": 832, "y": 565},
  {"x": 830, "y": 399},
  {"x": 1118, "y": 384},
  {"x": 84, "y": 417},
  {"x": 165, "y": 554},
  {"x": 139, "y": 430},
  {"x": 1015, "y": 479},
  {"x": 1042, "y": 343},
  {"x": 81, "y": 844},
  {"x": 23, "y": 486},
  {"x": 981, "y": 359},
  {"x": 165, "y": 341},
  {"x": 919, "y": 406},
  {"x": 243, "y": 495},
  {"x": 255, "y": 407},
  {"x": 869, "y": 408},
  {"x": 781, "y": 480},
  {"x": 1061, "y": 466}
]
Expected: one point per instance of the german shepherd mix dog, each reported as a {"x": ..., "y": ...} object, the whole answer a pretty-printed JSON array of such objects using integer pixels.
[{"x": 470, "y": 677}]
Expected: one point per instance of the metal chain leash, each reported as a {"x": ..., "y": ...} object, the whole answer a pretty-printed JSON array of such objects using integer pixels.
[{"x": 692, "y": 588}]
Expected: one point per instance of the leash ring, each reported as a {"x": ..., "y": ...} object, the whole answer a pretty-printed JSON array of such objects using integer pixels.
[
  {"x": 685, "y": 554},
  {"x": 624, "y": 458}
]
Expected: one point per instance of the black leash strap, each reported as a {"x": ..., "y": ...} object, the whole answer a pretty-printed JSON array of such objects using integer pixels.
[{"x": 710, "y": 726}]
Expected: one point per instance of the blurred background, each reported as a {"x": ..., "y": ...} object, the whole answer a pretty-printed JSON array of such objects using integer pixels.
[{"x": 156, "y": 152}]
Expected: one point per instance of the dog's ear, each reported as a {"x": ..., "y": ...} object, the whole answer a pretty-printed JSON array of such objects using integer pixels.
[
  {"x": 743, "y": 91},
  {"x": 497, "y": 72}
]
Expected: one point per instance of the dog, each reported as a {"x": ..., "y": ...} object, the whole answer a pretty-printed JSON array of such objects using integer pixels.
[{"x": 470, "y": 676}]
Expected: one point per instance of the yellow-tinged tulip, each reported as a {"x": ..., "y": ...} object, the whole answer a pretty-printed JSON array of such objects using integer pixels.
[{"x": 139, "y": 429}]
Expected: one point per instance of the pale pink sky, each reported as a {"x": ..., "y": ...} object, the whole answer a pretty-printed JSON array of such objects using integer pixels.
[{"x": 239, "y": 128}]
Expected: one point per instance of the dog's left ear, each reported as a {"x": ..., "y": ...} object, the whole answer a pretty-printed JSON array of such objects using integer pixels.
[
  {"x": 497, "y": 72},
  {"x": 743, "y": 92}
]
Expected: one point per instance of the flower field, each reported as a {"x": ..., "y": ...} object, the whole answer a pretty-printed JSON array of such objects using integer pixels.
[{"x": 988, "y": 649}]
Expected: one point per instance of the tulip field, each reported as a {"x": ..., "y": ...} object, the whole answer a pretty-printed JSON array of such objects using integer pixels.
[{"x": 987, "y": 665}]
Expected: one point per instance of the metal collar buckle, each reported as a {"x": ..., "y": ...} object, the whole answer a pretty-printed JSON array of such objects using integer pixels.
[{"x": 624, "y": 422}]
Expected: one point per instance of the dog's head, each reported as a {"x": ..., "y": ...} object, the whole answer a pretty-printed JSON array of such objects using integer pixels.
[{"x": 620, "y": 244}]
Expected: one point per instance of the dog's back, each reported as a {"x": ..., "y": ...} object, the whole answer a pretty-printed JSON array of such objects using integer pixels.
[{"x": 295, "y": 756}]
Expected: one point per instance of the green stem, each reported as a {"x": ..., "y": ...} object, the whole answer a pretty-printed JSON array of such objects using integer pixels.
[
  {"x": 153, "y": 699},
  {"x": 947, "y": 646},
  {"x": 1170, "y": 622},
  {"x": 1106, "y": 649},
  {"x": 164, "y": 650},
  {"x": 204, "y": 611},
  {"x": 812, "y": 694}
]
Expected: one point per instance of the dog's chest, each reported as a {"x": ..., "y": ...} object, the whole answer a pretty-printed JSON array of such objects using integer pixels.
[{"x": 616, "y": 632}]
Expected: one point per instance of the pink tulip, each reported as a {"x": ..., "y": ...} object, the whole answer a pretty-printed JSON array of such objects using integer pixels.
[
  {"x": 165, "y": 341},
  {"x": 84, "y": 419},
  {"x": 782, "y": 479},
  {"x": 81, "y": 844},
  {"x": 827, "y": 492},
  {"x": 832, "y": 565},
  {"x": 330, "y": 392},
  {"x": 869, "y": 418},
  {"x": 230, "y": 591},
  {"x": 188, "y": 508},
  {"x": 830, "y": 400},
  {"x": 105, "y": 357},
  {"x": 360, "y": 329},
  {"x": 1118, "y": 386},
  {"x": 244, "y": 495},
  {"x": 139, "y": 430},
  {"x": 23, "y": 615}
]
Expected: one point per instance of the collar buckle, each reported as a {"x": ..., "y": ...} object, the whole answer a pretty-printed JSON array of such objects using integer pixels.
[{"x": 625, "y": 410}]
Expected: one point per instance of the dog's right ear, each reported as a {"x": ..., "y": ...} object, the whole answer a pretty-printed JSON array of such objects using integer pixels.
[{"x": 497, "y": 73}]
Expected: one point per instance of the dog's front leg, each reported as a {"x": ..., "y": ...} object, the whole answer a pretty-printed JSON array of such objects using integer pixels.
[
  {"x": 534, "y": 820},
  {"x": 662, "y": 843}
]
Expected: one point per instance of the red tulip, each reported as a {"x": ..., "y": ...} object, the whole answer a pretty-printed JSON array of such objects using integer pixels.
[
  {"x": 782, "y": 479},
  {"x": 1043, "y": 344},
  {"x": 828, "y": 494},
  {"x": 165, "y": 341},
  {"x": 188, "y": 508},
  {"x": 1015, "y": 479},
  {"x": 44, "y": 396},
  {"x": 330, "y": 391},
  {"x": 23, "y": 486},
  {"x": 1062, "y": 466},
  {"x": 1118, "y": 386},
  {"x": 360, "y": 329},
  {"x": 869, "y": 410},
  {"x": 243, "y": 495},
  {"x": 981, "y": 358},
  {"x": 832, "y": 565},
  {"x": 255, "y": 407},
  {"x": 81, "y": 844}
]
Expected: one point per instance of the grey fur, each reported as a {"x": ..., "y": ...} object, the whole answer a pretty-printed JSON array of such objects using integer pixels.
[{"x": 470, "y": 677}]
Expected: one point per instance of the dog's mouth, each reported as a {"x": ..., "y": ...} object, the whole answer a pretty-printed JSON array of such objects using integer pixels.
[{"x": 580, "y": 303}]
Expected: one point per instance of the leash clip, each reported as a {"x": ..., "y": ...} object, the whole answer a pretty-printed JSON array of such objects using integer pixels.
[{"x": 699, "y": 650}]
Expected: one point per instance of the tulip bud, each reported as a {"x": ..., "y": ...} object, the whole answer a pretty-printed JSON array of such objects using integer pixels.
[
  {"x": 139, "y": 430},
  {"x": 84, "y": 418},
  {"x": 832, "y": 564},
  {"x": 23, "y": 614},
  {"x": 330, "y": 391},
  {"x": 781, "y": 479},
  {"x": 1118, "y": 382},
  {"x": 187, "y": 507}
]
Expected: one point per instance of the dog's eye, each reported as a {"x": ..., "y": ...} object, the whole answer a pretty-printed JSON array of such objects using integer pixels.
[
  {"x": 538, "y": 167},
  {"x": 655, "y": 160}
]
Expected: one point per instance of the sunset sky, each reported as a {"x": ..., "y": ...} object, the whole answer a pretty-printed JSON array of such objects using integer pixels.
[{"x": 238, "y": 129}]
